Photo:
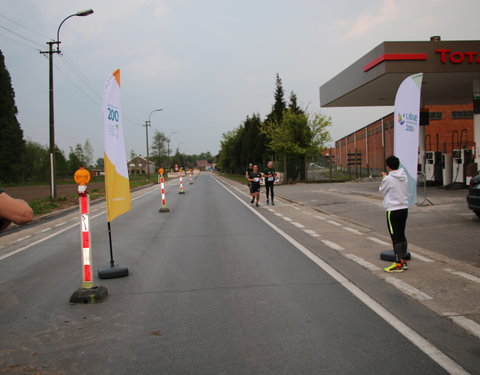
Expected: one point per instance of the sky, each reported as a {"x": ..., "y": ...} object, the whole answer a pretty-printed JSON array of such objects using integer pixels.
[{"x": 207, "y": 63}]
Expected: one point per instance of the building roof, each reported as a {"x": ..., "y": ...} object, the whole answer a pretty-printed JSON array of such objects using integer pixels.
[
  {"x": 449, "y": 69},
  {"x": 203, "y": 163}
]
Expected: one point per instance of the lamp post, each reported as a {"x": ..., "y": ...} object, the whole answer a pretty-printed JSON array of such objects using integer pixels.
[
  {"x": 147, "y": 124},
  {"x": 50, "y": 52}
]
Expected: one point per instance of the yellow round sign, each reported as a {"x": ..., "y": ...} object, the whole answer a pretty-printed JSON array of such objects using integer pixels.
[
  {"x": 161, "y": 171},
  {"x": 82, "y": 176}
]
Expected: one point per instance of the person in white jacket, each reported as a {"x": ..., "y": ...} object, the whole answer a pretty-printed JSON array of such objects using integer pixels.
[{"x": 394, "y": 188}]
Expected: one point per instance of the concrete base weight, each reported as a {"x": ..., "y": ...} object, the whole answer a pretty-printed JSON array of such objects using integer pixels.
[
  {"x": 389, "y": 255},
  {"x": 112, "y": 272},
  {"x": 181, "y": 192},
  {"x": 164, "y": 209},
  {"x": 96, "y": 294}
]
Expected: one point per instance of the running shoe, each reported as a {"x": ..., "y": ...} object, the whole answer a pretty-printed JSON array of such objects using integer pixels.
[
  {"x": 268, "y": 202},
  {"x": 273, "y": 204},
  {"x": 404, "y": 264},
  {"x": 253, "y": 200},
  {"x": 395, "y": 267},
  {"x": 257, "y": 205}
]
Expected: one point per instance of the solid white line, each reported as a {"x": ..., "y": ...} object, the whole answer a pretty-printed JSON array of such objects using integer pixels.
[
  {"x": 353, "y": 231},
  {"x": 407, "y": 288},
  {"x": 467, "y": 324},
  {"x": 298, "y": 225},
  {"x": 363, "y": 262},
  {"x": 429, "y": 349},
  {"x": 379, "y": 241},
  {"x": 464, "y": 275},
  {"x": 422, "y": 258},
  {"x": 334, "y": 223},
  {"x": 332, "y": 245}
]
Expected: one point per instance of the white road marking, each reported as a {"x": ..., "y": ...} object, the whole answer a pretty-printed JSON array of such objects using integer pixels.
[
  {"x": 332, "y": 245},
  {"x": 464, "y": 275},
  {"x": 46, "y": 229},
  {"x": 353, "y": 231},
  {"x": 429, "y": 349},
  {"x": 363, "y": 262},
  {"x": 286, "y": 218},
  {"x": 298, "y": 225},
  {"x": 23, "y": 238},
  {"x": 379, "y": 241},
  {"x": 422, "y": 258},
  {"x": 295, "y": 207},
  {"x": 278, "y": 214},
  {"x": 407, "y": 289},
  {"x": 467, "y": 324},
  {"x": 311, "y": 233},
  {"x": 319, "y": 217},
  {"x": 334, "y": 223},
  {"x": 59, "y": 224},
  {"x": 271, "y": 209},
  {"x": 307, "y": 213}
]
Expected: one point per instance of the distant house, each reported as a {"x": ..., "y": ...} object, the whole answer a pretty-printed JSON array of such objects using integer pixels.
[
  {"x": 138, "y": 165},
  {"x": 204, "y": 164}
]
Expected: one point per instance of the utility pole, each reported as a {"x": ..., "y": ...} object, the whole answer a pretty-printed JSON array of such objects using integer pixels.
[{"x": 147, "y": 124}]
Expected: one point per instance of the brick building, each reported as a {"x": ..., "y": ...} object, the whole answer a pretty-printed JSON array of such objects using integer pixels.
[{"x": 450, "y": 127}]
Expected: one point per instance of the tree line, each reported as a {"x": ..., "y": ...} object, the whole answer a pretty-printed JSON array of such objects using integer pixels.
[{"x": 288, "y": 135}]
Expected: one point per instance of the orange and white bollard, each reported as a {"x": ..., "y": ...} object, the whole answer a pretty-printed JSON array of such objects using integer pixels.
[
  {"x": 181, "y": 183},
  {"x": 162, "y": 188},
  {"x": 88, "y": 293}
]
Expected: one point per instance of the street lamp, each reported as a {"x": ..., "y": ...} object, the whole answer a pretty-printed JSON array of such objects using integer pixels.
[
  {"x": 147, "y": 124},
  {"x": 50, "y": 52}
]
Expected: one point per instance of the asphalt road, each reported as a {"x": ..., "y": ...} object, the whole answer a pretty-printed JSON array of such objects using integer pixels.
[{"x": 213, "y": 289}]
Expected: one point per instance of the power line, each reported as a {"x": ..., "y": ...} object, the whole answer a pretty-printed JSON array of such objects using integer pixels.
[
  {"x": 19, "y": 43},
  {"x": 34, "y": 42},
  {"x": 25, "y": 27}
]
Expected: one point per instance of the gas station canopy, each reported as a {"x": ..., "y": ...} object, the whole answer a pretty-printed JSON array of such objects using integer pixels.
[{"x": 449, "y": 69}]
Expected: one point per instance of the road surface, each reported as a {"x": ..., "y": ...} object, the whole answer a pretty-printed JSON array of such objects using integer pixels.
[{"x": 214, "y": 289}]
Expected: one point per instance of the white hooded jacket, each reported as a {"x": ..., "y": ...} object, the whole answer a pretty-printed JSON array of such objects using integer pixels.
[{"x": 394, "y": 188}]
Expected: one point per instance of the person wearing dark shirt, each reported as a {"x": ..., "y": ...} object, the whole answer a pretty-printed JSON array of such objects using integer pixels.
[
  {"x": 269, "y": 175},
  {"x": 247, "y": 173},
  {"x": 254, "y": 179}
]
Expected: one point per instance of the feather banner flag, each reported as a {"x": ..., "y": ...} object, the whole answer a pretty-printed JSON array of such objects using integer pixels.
[{"x": 117, "y": 184}]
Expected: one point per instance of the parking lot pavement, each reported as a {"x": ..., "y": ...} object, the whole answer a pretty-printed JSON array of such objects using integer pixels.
[{"x": 448, "y": 285}]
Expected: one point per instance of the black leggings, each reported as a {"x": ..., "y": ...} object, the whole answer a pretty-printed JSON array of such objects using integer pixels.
[
  {"x": 396, "y": 223},
  {"x": 269, "y": 186}
]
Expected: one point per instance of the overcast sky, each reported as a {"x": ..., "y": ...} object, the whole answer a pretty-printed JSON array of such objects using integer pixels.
[{"x": 208, "y": 63}]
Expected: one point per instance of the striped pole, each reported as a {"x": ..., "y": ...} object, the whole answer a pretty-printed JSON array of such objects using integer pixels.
[
  {"x": 181, "y": 183},
  {"x": 162, "y": 188},
  {"x": 87, "y": 293},
  {"x": 190, "y": 176},
  {"x": 87, "y": 281}
]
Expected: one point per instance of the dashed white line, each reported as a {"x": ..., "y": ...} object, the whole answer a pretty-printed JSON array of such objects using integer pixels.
[
  {"x": 332, "y": 245},
  {"x": 353, "y": 231},
  {"x": 46, "y": 229},
  {"x": 465, "y": 323},
  {"x": 298, "y": 225},
  {"x": 334, "y": 223},
  {"x": 271, "y": 209},
  {"x": 422, "y": 258},
  {"x": 464, "y": 275},
  {"x": 278, "y": 214},
  {"x": 23, "y": 238},
  {"x": 311, "y": 233},
  {"x": 59, "y": 224},
  {"x": 379, "y": 241},
  {"x": 363, "y": 262},
  {"x": 407, "y": 288},
  {"x": 296, "y": 208},
  {"x": 286, "y": 218}
]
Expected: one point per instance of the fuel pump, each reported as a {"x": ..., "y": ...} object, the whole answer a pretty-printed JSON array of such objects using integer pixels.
[{"x": 446, "y": 169}]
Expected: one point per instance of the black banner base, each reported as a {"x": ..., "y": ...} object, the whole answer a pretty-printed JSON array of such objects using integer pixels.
[{"x": 389, "y": 255}]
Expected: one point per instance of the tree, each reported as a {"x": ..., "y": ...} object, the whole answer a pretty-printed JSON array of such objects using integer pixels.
[
  {"x": 88, "y": 153},
  {"x": 159, "y": 148},
  {"x": 293, "y": 105},
  {"x": 133, "y": 154},
  {"x": 100, "y": 164},
  {"x": 12, "y": 144},
  {"x": 37, "y": 162},
  {"x": 279, "y": 105}
]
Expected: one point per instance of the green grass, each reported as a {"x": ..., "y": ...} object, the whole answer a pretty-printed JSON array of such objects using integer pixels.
[
  {"x": 235, "y": 177},
  {"x": 44, "y": 206}
]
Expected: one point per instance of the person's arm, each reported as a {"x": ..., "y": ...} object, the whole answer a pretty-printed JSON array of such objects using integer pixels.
[
  {"x": 15, "y": 210},
  {"x": 384, "y": 184}
]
